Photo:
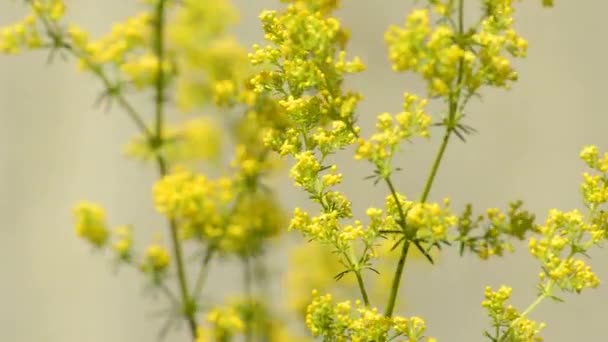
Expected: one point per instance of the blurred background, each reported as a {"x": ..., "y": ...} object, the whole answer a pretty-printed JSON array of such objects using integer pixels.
[{"x": 56, "y": 148}]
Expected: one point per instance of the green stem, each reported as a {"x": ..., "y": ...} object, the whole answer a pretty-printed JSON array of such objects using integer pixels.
[
  {"x": 159, "y": 49},
  {"x": 392, "y": 299},
  {"x": 202, "y": 275},
  {"x": 247, "y": 284},
  {"x": 362, "y": 288},
  {"x": 391, "y": 187},
  {"x": 353, "y": 265},
  {"x": 435, "y": 167},
  {"x": 189, "y": 306}
]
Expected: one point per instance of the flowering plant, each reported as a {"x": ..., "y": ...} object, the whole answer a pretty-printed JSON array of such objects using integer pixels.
[{"x": 287, "y": 99}]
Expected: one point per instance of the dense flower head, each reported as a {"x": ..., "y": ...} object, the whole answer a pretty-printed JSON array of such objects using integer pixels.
[
  {"x": 391, "y": 130},
  {"x": 507, "y": 320},
  {"x": 448, "y": 58},
  {"x": 305, "y": 66},
  {"x": 428, "y": 222},
  {"x": 212, "y": 72},
  {"x": 254, "y": 219},
  {"x": 225, "y": 212},
  {"x": 27, "y": 33},
  {"x": 91, "y": 223},
  {"x": 226, "y": 322},
  {"x": 595, "y": 185},
  {"x": 344, "y": 321},
  {"x": 157, "y": 259},
  {"x": 185, "y": 195},
  {"x": 565, "y": 235},
  {"x": 123, "y": 244}
]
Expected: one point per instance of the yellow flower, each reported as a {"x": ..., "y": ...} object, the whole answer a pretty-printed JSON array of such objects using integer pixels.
[
  {"x": 157, "y": 257},
  {"x": 91, "y": 223}
]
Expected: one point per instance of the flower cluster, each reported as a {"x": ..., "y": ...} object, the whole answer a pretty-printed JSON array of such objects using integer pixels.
[
  {"x": 226, "y": 322},
  {"x": 26, "y": 34},
  {"x": 564, "y": 235},
  {"x": 424, "y": 222},
  {"x": 337, "y": 322},
  {"x": 450, "y": 59},
  {"x": 157, "y": 259},
  {"x": 91, "y": 223},
  {"x": 509, "y": 324},
  {"x": 217, "y": 211},
  {"x": 126, "y": 48},
  {"x": 307, "y": 68},
  {"x": 391, "y": 130},
  {"x": 124, "y": 242},
  {"x": 595, "y": 187}
]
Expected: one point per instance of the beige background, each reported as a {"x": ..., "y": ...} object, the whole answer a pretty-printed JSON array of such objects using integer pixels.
[{"x": 55, "y": 149}]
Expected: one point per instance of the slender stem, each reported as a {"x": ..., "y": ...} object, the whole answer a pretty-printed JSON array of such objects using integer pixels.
[
  {"x": 189, "y": 309},
  {"x": 247, "y": 285},
  {"x": 362, "y": 288},
  {"x": 159, "y": 49},
  {"x": 189, "y": 306},
  {"x": 391, "y": 187},
  {"x": 460, "y": 16},
  {"x": 202, "y": 275},
  {"x": 397, "y": 280},
  {"x": 435, "y": 167}
]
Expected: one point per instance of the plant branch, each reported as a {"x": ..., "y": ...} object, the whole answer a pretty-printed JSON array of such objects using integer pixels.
[
  {"x": 189, "y": 306},
  {"x": 450, "y": 126}
]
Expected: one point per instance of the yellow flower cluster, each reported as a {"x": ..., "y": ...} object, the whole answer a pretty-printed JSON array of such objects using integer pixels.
[
  {"x": 595, "y": 186},
  {"x": 254, "y": 219},
  {"x": 226, "y": 323},
  {"x": 186, "y": 142},
  {"x": 321, "y": 6},
  {"x": 213, "y": 66},
  {"x": 447, "y": 58},
  {"x": 91, "y": 223},
  {"x": 392, "y": 130},
  {"x": 186, "y": 196},
  {"x": 233, "y": 219},
  {"x": 337, "y": 322},
  {"x": 124, "y": 243},
  {"x": 424, "y": 222},
  {"x": 122, "y": 45},
  {"x": 213, "y": 74},
  {"x": 25, "y": 34},
  {"x": 563, "y": 236},
  {"x": 509, "y": 324},
  {"x": 157, "y": 259},
  {"x": 250, "y": 163},
  {"x": 308, "y": 68}
]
